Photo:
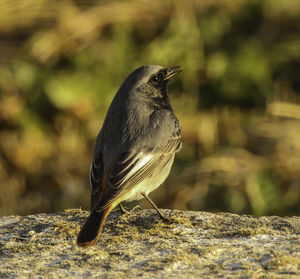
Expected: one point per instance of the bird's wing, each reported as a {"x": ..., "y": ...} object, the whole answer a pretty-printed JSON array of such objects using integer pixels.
[
  {"x": 132, "y": 168},
  {"x": 96, "y": 178}
]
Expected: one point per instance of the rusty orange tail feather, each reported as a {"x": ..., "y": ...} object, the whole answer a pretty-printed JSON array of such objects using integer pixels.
[{"x": 91, "y": 230}]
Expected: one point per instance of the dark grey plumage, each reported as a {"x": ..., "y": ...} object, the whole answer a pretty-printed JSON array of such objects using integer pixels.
[{"x": 136, "y": 146}]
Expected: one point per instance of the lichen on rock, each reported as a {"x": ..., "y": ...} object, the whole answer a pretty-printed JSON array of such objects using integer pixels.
[{"x": 140, "y": 244}]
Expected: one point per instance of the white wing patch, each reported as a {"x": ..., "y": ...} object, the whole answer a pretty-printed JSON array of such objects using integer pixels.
[{"x": 142, "y": 159}]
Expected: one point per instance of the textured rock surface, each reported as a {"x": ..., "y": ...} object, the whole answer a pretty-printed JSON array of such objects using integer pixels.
[{"x": 140, "y": 244}]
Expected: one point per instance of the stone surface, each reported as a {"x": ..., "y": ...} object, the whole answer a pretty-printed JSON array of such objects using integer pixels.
[{"x": 140, "y": 244}]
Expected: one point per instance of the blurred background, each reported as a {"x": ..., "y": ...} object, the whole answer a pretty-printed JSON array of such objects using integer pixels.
[{"x": 238, "y": 99}]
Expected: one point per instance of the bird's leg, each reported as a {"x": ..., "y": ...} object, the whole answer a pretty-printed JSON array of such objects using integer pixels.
[
  {"x": 123, "y": 210},
  {"x": 155, "y": 207}
]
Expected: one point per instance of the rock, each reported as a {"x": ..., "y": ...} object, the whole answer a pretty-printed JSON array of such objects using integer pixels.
[{"x": 140, "y": 244}]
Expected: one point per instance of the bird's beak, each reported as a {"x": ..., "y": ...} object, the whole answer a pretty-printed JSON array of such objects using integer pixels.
[{"x": 172, "y": 72}]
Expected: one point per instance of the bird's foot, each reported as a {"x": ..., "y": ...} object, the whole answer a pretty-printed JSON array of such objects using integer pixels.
[
  {"x": 123, "y": 210},
  {"x": 165, "y": 218}
]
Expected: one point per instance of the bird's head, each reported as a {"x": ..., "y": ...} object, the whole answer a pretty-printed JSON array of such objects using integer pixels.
[{"x": 152, "y": 80}]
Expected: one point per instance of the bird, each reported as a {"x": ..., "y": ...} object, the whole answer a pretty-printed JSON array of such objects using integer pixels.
[{"x": 135, "y": 147}]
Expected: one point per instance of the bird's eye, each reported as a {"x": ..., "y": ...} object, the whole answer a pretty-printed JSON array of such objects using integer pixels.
[{"x": 155, "y": 79}]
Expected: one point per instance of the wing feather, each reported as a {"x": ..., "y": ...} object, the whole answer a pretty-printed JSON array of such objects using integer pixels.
[
  {"x": 96, "y": 178},
  {"x": 135, "y": 168}
]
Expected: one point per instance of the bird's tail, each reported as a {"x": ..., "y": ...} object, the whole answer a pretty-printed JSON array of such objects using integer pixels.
[{"x": 90, "y": 231}]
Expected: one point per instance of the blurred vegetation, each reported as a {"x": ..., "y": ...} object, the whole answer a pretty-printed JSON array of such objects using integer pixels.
[{"x": 237, "y": 99}]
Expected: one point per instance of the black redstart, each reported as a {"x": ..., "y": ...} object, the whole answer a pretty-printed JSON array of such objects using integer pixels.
[{"x": 135, "y": 148}]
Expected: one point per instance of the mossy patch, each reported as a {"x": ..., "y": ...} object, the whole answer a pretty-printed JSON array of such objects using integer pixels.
[{"x": 140, "y": 244}]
